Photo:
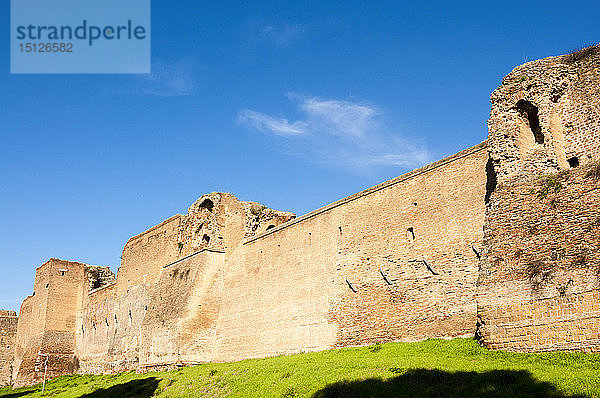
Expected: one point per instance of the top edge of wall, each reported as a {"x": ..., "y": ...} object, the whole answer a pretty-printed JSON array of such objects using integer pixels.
[{"x": 411, "y": 174}]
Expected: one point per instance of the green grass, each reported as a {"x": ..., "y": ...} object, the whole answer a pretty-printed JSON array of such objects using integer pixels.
[{"x": 432, "y": 368}]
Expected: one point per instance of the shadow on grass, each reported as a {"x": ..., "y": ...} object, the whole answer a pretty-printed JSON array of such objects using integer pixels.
[
  {"x": 17, "y": 394},
  {"x": 436, "y": 383},
  {"x": 140, "y": 388}
]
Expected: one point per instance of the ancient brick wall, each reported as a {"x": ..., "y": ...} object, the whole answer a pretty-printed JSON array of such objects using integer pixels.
[
  {"x": 395, "y": 262},
  {"x": 541, "y": 265},
  {"x": 540, "y": 272},
  {"x": 32, "y": 321},
  {"x": 546, "y": 114},
  {"x": 47, "y": 322},
  {"x": 113, "y": 320},
  {"x": 8, "y": 333},
  {"x": 567, "y": 322},
  {"x": 109, "y": 335},
  {"x": 405, "y": 260},
  {"x": 96, "y": 329},
  {"x": 181, "y": 322},
  {"x": 217, "y": 221},
  {"x": 145, "y": 254}
]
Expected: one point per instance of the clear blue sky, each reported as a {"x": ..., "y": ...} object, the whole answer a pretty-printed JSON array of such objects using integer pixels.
[{"x": 292, "y": 104}]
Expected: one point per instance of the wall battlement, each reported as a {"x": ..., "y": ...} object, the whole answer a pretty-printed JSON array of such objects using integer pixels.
[{"x": 499, "y": 240}]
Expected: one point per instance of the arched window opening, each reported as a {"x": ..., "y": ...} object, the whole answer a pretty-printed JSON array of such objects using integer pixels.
[
  {"x": 530, "y": 111},
  {"x": 206, "y": 238},
  {"x": 270, "y": 227},
  {"x": 207, "y": 204}
]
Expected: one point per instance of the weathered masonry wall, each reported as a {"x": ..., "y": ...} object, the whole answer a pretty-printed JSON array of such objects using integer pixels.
[
  {"x": 114, "y": 319},
  {"x": 145, "y": 254},
  {"x": 181, "y": 323},
  {"x": 47, "y": 322},
  {"x": 499, "y": 240},
  {"x": 568, "y": 323},
  {"x": 395, "y": 262},
  {"x": 546, "y": 115},
  {"x": 541, "y": 270},
  {"x": 539, "y": 273},
  {"x": 48, "y": 319},
  {"x": 8, "y": 333},
  {"x": 217, "y": 221}
]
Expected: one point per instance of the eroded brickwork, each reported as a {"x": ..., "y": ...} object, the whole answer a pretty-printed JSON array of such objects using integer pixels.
[
  {"x": 180, "y": 326},
  {"x": 546, "y": 113},
  {"x": 289, "y": 290},
  {"x": 500, "y": 239},
  {"x": 8, "y": 333},
  {"x": 48, "y": 319},
  {"x": 115, "y": 320},
  {"x": 540, "y": 269},
  {"x": 569, "y": 323}
]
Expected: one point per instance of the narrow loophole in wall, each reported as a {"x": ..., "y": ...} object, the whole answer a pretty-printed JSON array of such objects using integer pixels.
[
  {"x": 530, "y": 111},
  {"x": 206, "y": 238},
  {"x": 410, "y": 234},
  {"x": 573, "y": 162},
  {"x": 271, "y": 226},
  {"x": 491, "y": 179},
  {"x": 207, "y": 204}
]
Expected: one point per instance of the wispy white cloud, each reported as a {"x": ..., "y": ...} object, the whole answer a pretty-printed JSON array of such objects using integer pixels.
[
  {"x": 168, "y": 80},
  {"x": 278, "y": 126},
  {"x": 340, "y": 133}
]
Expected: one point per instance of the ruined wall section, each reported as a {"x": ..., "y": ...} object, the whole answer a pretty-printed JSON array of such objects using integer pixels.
[
  {"x": 8, "y": 333},
  {"x": 47, "y": 323},
  {"x": 181, "y": 322},
  {"x": 545, "y": 116},
  {"x": 395, "y": 262},
  {"x": 108, "y": 338},
  {"x": 96, "y": 329},
  {"x": 541, "y": 270},
  {"x": 144, "y": 254},
  {"x": 112, "y": 322},
  {"x": 217, "y": 221}
]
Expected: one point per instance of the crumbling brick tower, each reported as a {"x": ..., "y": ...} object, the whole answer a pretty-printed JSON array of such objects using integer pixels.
[
  {"x": 540, "y": 272},
  {"x": 8, "y": 332},
  {"x": 46, "y": 329}
]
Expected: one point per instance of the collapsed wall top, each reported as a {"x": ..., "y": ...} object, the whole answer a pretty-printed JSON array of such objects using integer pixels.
[{"x": 546, "y": 115}]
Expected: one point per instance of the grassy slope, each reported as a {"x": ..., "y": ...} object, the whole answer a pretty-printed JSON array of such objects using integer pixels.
[{"x": 434, "y": 368}]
